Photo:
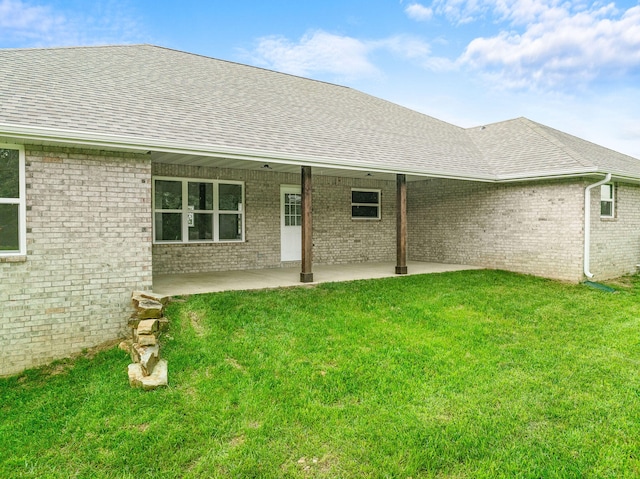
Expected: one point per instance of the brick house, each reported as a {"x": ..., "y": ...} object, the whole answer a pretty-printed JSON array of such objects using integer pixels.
[{"x": 121, "y": 162}]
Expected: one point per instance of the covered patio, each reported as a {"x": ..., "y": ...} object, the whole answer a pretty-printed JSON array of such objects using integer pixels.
[{"x": 196, "y": 283}]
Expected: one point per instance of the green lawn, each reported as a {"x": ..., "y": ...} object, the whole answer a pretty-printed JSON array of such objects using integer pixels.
[{"x": 458, "y": 375}]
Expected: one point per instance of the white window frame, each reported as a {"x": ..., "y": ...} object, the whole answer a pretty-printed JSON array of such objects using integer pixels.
[
  {"x": 20, "y": 201},
  {"x": 610, "y": 199},
  {"x": 378, "y": 204},
  {"x": 215, "y": 212}
]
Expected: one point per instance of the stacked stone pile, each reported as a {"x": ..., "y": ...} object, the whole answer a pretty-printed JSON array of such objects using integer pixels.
[{"x": 147, "y": 371}]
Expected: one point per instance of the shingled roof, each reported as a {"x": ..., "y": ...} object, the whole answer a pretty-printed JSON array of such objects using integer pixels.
[
  {"x": 154, "y": 98},
  {"x": 521, "y": 148}
]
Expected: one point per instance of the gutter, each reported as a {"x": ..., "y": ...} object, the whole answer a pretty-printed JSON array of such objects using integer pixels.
[
  {"x": 49, "y": 135},
  {"x": 587, "y": 224},
  {"x": 107, "y": 140}
]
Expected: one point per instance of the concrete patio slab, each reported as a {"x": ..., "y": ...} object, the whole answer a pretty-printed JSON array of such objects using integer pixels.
[{"x": 195, "y": 283}]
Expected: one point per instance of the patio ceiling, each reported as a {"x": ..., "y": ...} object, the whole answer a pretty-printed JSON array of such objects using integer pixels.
[{"x": 270, "y": 165}]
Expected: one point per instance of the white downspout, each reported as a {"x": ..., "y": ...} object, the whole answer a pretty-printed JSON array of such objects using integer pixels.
[{"x": 587, "y": 223}]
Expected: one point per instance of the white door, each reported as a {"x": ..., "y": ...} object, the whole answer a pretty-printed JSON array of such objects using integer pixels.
[{"x": 290, "y": 223}]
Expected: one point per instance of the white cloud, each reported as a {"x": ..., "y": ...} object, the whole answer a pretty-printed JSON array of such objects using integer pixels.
[
  {"x": 316, "y": 51},
  {"x": 548, "y": 43},
  {"x": 559, "y": 47},
  {"x": 403, "y": 45},
  {"x": 26, "y": 23},
  {"x": 419, "y": 12},
  {"x": 345, "y": 57},
  {"x": 516, "y": 11}
]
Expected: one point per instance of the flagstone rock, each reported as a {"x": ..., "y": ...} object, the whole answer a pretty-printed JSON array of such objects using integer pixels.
[
  {"x": 138, "y": 296},
  {"x": 149, "y": 358},
  {"x": 147, "y": 371},
  {"x": 159, "y": 377},
  {"x": 147, "y": 326},
  {"x": 163, "y": 323},
  {"x": 135, "y": 351},
  {"x": 149, "y": 309},
  {"x": 147, "y": 340},
  {"x": 141, "y": 354}
]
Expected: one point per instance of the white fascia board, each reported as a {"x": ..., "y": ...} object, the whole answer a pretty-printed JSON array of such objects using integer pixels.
[
  {"x": 104, "y": 140},
  {"x": 554, "y": 175},
  {"x": 625, "y": 178},
  {"x": 576, "y": 173}
]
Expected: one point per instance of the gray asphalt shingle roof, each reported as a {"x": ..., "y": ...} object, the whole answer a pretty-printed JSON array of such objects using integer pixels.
[
  {"x": 522, "y": 148},
  {"x": 153, "y": 94}
]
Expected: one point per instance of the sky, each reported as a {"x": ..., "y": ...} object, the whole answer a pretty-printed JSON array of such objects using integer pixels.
[{"x": 571, "y": 65}]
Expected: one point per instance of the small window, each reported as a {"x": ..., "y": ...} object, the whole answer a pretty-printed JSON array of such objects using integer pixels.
[
  {"x": 607, "y": 201},
  {"x": 197, "y": 210},
  {"x": 365, "y": 204},
  {"x": 12, "y": 201},
  {"x": 292, "y": 209}
]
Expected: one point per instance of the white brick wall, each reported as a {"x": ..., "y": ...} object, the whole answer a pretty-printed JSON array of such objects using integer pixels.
[
  {"x": 336, "y": 237},
  {"x": 88, "y": 248},
  {"x": 89, "y": 239},
  {"x": 339, "y": 239},
  {"x": 615, "y": 243},
  {"x": 534, "y": 228}
]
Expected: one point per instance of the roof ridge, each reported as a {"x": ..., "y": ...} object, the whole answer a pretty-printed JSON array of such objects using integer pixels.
[
  {"x": 491, "y": 168},
  {"x": 538, "y": 128},
  {"x": 162, "y": 47},
  {"x": 598, "y": 145},
  {"x": 242, "y": 64},
  {"x": 492, "y": 165},
  {"x": 76, "y": 47}
]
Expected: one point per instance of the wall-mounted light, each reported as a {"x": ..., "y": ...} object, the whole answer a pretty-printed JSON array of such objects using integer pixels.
[{"x": 266, "y": 167}]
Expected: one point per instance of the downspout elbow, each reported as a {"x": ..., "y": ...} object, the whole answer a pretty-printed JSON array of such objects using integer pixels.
[{"x": 587, "y": 224}]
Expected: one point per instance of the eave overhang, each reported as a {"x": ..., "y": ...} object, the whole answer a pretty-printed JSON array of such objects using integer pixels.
[{"x": 105, "y": 141}]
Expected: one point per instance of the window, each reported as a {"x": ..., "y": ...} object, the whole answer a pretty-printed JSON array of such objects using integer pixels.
[
  {"x": 12, "y": 201},
  {"x": 193, "y": 210},
  {"x": 292, "y": 209},
  {"x": 365, "y": 204},
  {"x": 607, "y": 201}
]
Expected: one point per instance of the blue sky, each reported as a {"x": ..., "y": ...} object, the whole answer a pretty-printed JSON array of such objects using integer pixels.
[{"x": 574, "y": 66}]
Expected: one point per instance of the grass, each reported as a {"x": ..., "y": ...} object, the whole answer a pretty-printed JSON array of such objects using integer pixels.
[{"x": 458, "y": 375}]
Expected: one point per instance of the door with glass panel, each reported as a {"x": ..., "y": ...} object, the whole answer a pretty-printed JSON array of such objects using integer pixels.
[{"x": 290, "y": 223}]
